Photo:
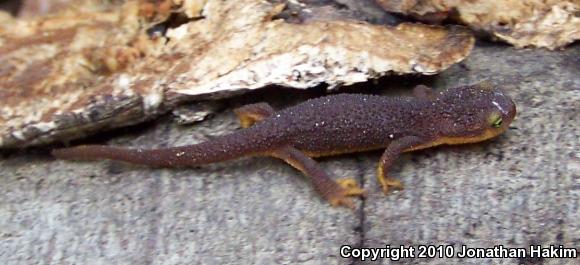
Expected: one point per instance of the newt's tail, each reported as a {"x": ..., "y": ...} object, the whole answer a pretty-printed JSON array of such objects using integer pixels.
[{"x": 242, "y": 143}]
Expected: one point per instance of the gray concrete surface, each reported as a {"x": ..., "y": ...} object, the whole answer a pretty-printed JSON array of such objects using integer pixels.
[{"x": 520, "y": 189}]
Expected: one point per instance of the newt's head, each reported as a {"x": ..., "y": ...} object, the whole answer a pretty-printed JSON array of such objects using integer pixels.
[{"x": 474, "y": 113}]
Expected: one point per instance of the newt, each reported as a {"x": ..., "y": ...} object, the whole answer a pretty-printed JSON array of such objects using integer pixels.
[{"x": 337, "y": 124}]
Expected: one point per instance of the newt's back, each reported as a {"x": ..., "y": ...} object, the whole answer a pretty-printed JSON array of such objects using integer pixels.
[{"x": 345, "y": 122}]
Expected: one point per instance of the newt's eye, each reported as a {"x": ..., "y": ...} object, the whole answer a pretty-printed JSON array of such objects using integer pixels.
[
  {"x": 497, "y": 123},
  {"x": 495, "y": 120}
]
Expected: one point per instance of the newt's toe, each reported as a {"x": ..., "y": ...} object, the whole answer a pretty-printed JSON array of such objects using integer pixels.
[
  {"x": 347, "y": 187},
  {"x": 342, "y": 201},
  {"x": 350, "y": 187},
  {"x": 347, "y": 182},
  {"x": 388, "y": 183}
]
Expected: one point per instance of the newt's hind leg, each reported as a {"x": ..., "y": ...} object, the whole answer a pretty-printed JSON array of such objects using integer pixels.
[
  {"x": 335, "y": 192},
  {"x": 250, "y": 114},
  {"x": 389, "y": 156}
]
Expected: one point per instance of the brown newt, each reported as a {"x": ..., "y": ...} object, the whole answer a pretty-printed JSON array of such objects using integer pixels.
[{"x": 337, "y": 124}]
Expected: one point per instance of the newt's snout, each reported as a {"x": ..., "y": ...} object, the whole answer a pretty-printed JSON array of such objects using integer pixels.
[{"x": 504, "y": 113}]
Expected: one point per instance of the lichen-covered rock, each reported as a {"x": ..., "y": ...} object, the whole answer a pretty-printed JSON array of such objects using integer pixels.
[
  {"x": 76, "y": 73},
  {"x": 537, "y": 23},
  {"x": 30, "y": 8}
]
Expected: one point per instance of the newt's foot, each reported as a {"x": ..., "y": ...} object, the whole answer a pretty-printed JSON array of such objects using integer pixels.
[
  {"x": 350, "y": 187},
  {"x": 347, "y": 182},
  {"x": 347, "y": 188},
  {"x": 341, "y": 201},
  {"x": 388, "y": 182},
  {"x": 250, "y": 114}
]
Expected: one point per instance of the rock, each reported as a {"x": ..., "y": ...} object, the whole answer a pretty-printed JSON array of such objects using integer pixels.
[
  {"x": 548, "y": 24},
  {"x": 76, "y": 73}
]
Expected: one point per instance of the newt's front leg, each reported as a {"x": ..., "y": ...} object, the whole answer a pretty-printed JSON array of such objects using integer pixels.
[
  {"x": 335, "y": 192},
  {"x": 250, "y": 114},
  {"x": 392, "y": 152}
]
